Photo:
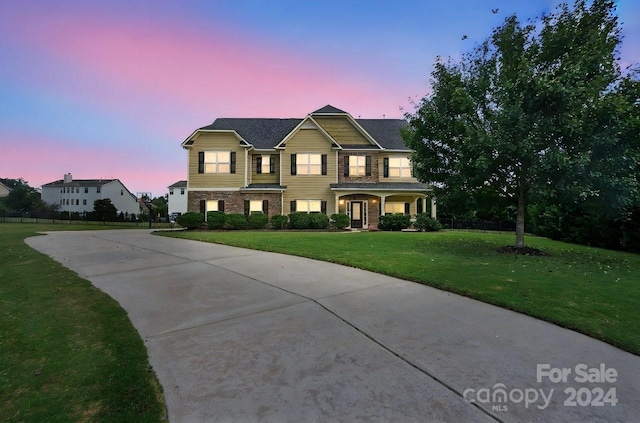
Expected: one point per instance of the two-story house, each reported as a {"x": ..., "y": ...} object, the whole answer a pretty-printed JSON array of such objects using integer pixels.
[
  {"x": 326, "y": 162},
  {"x": 78, "y": 195}
]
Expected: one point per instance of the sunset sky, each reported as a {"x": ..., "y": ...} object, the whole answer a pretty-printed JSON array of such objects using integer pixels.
[{"x": 109, "y": 89}]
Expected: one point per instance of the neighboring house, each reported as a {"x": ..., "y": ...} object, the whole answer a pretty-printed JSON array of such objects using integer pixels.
[
  {"x": 78, "y": 195},
  {"x": 327, "y": 162},
  {"x": 4, "y": 190},
  {"x": 177, "y": 198}
]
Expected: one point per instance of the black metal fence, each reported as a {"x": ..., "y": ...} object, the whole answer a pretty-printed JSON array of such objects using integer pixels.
[{"x": 55, "y": 218}]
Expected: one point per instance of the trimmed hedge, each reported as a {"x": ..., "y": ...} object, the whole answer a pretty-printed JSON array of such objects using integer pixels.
[
  {"x": 215, "y": 219},
  {"x": 394, "y": 222},
  {"x": 191, "y": 220},
  {"x": 299, "y": 220},
  {"x": 278, "y": 221},
  {"x": 257, "y": 220},
  {"x": 340, "y": 220},
  {"x": 318, "y": 221},
  {"x": 426, "y": 223},
  {"x": 235, "y": 221}
]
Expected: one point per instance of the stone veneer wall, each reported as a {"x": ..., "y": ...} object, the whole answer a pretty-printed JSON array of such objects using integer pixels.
[
  {"x": 234, "y": 200},
  {"x": 358, "y": 179}
]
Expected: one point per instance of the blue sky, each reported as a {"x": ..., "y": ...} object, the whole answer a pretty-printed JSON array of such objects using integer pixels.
[{"x": 111, "y": 89}]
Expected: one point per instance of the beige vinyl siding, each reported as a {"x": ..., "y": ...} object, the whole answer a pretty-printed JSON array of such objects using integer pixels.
[
  {"x": 222, "y": 142},
  {"x": 342, "y": 130},
  {"x": 264, "y": 178},
  {"x": 392, "y": 179},
  {"x": 308, "y": 187}
]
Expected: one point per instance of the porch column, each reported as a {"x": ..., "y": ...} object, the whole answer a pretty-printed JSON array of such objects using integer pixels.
[
  {"x": 337, "y": 204},
  {"x": 383, "y": 199},
  {"x": 433, "y": 207}
]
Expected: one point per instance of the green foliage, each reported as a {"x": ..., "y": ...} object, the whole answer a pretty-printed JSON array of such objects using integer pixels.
[
  {"x": 235, "y": 221},
  {"x": 104, "y": 210},
  {"x": 426, "y": 223},
  {"x": 191, "y": 220},
  {"x": 257, "y": 220},
  {"x": 318, "y": 221},
  {"x": 215, "y": 219},
  {"x": 394, "y": 222},
  {"x": 278, "y": 221},
  {"x": 537, "y": 109},
  {"x": 23, "y": 197},
  {"x": 160, "y": 206},
  {"x": 299, "y": 220},
  {"x": 340, "y": 220}
]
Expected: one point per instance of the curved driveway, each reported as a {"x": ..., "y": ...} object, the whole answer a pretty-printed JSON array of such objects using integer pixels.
[{"x": 242, "y": 335}]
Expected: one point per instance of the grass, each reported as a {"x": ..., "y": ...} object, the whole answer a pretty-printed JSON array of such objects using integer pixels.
[
  {"x": 590, "y": 290},
  {"x": 68, "y": 352}
]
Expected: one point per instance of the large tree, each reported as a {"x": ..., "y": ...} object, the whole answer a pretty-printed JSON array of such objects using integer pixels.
[{"x": 525, "y": 111}]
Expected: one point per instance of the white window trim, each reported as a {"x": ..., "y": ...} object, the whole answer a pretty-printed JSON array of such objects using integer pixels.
[
  {"x": 266, "y": 164},
  {"x": 253, "y": 204},
  {"x": 308, "y": 204},
  {"x": 308, "y": 165},
  {"x": 214, "y": 165},
  {"x": 401, "y": 168},
  {"x": 354, "y": 164}
]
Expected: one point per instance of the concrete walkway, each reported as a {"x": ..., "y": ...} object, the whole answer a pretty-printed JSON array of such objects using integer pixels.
[{"x": 242, "y": 335}]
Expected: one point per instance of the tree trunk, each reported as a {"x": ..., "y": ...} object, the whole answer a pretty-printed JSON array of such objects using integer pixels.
[{"x": 520, "y": 220}]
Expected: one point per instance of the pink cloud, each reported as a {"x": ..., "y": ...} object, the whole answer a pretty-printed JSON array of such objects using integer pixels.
[
  {"x": 207, "y": 72},
  {"x": 41, "y": 159}
]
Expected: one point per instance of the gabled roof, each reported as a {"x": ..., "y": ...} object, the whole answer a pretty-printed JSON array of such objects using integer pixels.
[
  {"x": 179, "y": 184},
  {"x": 259, "y": 132},
  {"x": 268, "y": 133},
  {"x": 79, "y": 183},
  {"x": 328, "y": 109},
  {"x": 386, "y": 132}
]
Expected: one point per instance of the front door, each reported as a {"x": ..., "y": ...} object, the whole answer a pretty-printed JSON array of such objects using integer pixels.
[{"x": 356, "y": 214}]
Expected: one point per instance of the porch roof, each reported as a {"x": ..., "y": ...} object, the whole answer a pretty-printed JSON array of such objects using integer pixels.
[
  {"x": 264, "y": 187},
  {"x": 382, "y": 186}
]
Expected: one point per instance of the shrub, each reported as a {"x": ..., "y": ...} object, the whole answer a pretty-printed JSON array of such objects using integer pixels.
[
  {"x": 257, "y": 220},
  {"x": 235, "y": 221},
  {"x": 426, "y": 223},
  {"x": 318, "y": 221},
  {"x": 340, "y": 220},
  {"x": 215, "y": 219},
  {"x": 278, "y": 221},
  {"x": 394, "y": 222},
  {"x": 190, "y": 220},
  {"x": 299, "y": 220}
]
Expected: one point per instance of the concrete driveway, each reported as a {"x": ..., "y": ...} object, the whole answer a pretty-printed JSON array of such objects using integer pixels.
[{"x": 242, "y": 335}]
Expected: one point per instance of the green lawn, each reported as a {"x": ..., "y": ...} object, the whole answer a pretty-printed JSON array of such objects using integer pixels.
[
  {"x": 590, "y": 290},
  {"x": 68, "y": 352}
]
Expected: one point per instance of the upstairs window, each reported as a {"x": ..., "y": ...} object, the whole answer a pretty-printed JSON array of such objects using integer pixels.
[
  {"x": 266, "y": 164},
  {"x": 216, "y": 162},
  {"x": 181, "y": 191},
  {"x": 397, "y": 167},
  {"x": 170, "y": 191},
  {"x": 357, "y": 166},
  {"x": 308, "y": 164}
]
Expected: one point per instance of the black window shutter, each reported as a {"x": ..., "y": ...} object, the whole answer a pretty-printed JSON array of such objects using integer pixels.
[
  {"x": 203, "y": 206},
  {"x": 323, "y": 207},
  {"x": 419, "y": 206},
  {"x": 346, "y": 165},
  {"x": 293, "y": 164},
  {"x": 324, "y": 164},
  {"x": 233, "y": 162},
  {"x": 367, "y": 165},
  {"x": 272, "y": 164},
  {"x": 386, "y": 167},
  {"x": 200, "y": 161},
  {"x": 293, "y": 206},
  {"x": 407, "y": 208},
  {"x": 221, "y": 206},
  {"x": 259, "y": 164},
  {"x": 265, "y": 206},
  {"x": 246, "y": 207}
]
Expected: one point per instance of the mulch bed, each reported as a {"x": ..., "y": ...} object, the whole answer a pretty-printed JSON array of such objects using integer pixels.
[{"x": 524, "y": 251}]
